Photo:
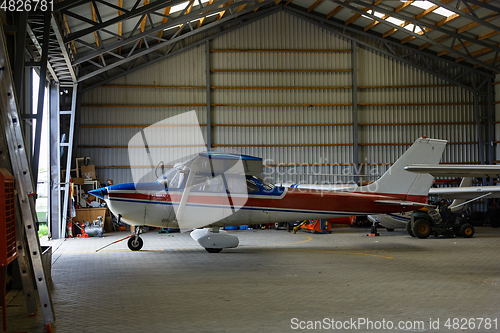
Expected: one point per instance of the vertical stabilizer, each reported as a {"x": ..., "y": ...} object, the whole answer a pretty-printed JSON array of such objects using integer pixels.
[{"x": 397, "y": 180}]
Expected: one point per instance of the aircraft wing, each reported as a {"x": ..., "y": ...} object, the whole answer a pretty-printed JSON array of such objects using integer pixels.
[
  {"x": 469, "y": 192},
  {"x": 456, "y": 170},
  {"x": 401, "y": 203}
]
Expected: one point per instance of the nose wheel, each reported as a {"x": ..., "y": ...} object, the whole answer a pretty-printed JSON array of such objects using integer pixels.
[{"x": 135, "y": 243}]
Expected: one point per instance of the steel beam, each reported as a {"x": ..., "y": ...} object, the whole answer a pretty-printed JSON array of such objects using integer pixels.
[
  {"x": 355, "y": 147},
  {"x": 423, "y": 37},
  {"x": 208, "y": 92},
  {"x": 77, "y": 118},
  {"x": 484, "y": 5},
  {"x": 491, "y": 126},
  {"x": 41, "y": 95},
  {"x": 477, "y": 114},
  {"x": 240, "y": 22},
  {"x": 19, "y": 59},
  {"x": 324, "y": 23},
  {"x": 62, "y": 46},
  {"x": 151, "y": 7},
  {"x": 181, "y": 20},
  {"x": 58, "y": 6},
  {"x": 40, "y": 51},
  {"x": 171, "y": 41},
  {"x": 464, "y": 15}
]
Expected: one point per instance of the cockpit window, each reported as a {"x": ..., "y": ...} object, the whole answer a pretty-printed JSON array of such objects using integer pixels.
[
  {"x": 252, "y": 186},
  {"x": 173, "y": 178},
  {"x": 267, "y": 185},
  {"x": 236, "y": 184},
  {"x": 203, "y": 183}
]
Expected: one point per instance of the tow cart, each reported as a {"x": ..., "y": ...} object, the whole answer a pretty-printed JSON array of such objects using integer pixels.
[{"x": 431, "y": 221}]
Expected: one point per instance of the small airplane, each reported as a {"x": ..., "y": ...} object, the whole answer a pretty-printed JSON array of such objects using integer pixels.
[{"x": 214, "y": 190}]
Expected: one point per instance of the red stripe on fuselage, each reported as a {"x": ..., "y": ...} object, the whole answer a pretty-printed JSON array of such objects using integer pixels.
[{"x": 295, "y": 199}]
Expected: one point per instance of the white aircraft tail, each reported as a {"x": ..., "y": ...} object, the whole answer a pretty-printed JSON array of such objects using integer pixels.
[{"x": 396, "y": 180}]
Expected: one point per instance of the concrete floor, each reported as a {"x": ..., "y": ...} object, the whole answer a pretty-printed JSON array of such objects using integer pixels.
[{"x": 173, "y": 285}]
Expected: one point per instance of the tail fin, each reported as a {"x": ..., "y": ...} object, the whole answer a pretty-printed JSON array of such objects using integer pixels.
[{"x": 396, "y": 180}]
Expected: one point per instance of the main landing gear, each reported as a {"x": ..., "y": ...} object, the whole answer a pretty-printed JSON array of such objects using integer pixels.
[
  {"x": 135, "y": 242},
  {"x": 213, "y": 239}
]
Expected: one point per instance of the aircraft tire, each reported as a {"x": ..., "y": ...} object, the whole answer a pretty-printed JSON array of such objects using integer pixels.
[
  {"x": 135, "y": 245},
  {"x": 467, "y": 231},
  {"x": 421, "y": 228},
  {"x": 408, "y": 229},
  {"x": 212, "y": 250}
]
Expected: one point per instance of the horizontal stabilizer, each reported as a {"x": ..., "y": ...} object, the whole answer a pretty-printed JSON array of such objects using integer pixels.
[
  {"x": 468, "y": 192},
  {"x": 401, "y": 203},
  {"x": 454, "y": 170}
]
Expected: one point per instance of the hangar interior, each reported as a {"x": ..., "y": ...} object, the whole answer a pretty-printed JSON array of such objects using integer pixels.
[{"x": 325, "y": 92}]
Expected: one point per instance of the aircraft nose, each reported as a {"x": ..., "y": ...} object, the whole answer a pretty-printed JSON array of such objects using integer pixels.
[{"x": 100, "y": 192}]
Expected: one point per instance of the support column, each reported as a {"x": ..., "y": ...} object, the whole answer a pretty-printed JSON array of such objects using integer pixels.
[
  {"x": 477, "y": 114},
  {"x": 55, "y": 161},
  {"x": 27, "y": 109},
  {"x": 355, "y": 147},
  {"x": 491, "y": 119},
  {"x": 41, "y": 94},
  {"x": 76, "y": 134},
  {"x": 19, "y": 60},
  {"x": 208, "y": 91}
]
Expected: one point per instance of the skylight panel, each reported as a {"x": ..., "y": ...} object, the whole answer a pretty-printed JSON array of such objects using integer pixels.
[
  {"x": 423, "y": 4},
  {"x": 395, "y": 20},
  {"x": 178, "y": 7},
  {"x": 411, "y": 27},
  {"x": 181, "y": 6},
  {"x": 426, "y": 5},
  {"x": 377, "y": 14},
  {"x": 443, "y": 11}
]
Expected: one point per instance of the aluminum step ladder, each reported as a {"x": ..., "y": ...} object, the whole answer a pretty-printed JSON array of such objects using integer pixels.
[{"x": 11, "y": 141}]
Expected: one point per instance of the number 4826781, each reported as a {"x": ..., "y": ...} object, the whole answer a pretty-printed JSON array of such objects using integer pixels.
[
  {"x": 471, "y": 323},
  {"x": 27, "y": 5}
]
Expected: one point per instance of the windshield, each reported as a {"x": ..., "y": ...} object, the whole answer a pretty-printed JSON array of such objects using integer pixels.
[{"x": 205, "y": 180}]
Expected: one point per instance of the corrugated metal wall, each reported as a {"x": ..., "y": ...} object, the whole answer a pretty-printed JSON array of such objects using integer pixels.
[
  {"x": 304, "y": 135},
  {"x": 306, "y": 143},
  {"x": 410, "y": 104}
]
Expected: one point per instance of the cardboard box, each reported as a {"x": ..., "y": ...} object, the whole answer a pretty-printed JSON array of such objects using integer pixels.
[
  {"x": 88, "y": 171},
  {"x": 78, "y": 181}
]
